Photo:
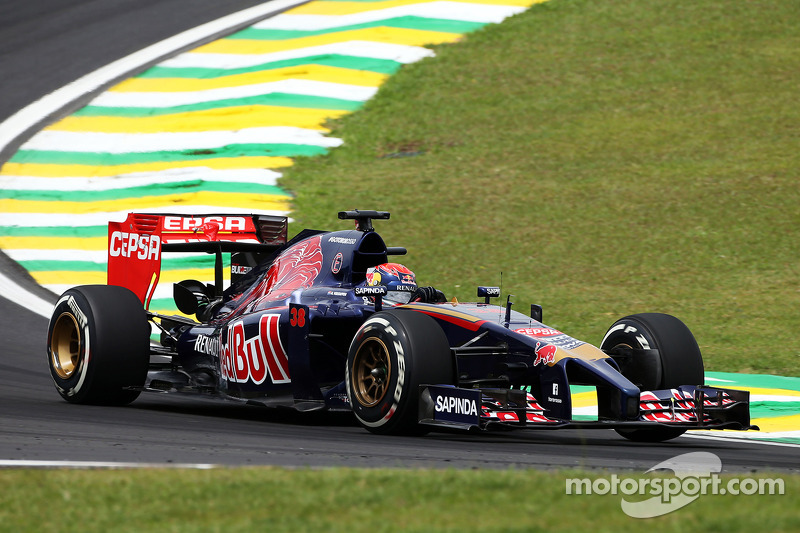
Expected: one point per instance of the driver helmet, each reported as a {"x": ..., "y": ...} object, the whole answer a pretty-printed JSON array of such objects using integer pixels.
[{"x": 399, "y": 280}]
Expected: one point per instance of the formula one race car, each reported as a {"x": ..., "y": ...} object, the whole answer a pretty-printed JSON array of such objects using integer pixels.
[{"x": 325, "y": 321}]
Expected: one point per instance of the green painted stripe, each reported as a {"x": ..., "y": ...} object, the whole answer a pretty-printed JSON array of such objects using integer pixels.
[
  {"x": 381, "y": 66},
  {"x": 272, "y": 99},
  {"x": 161, "y": 189},
  {"x": 406, "y": 23},
  {"x": 52, "y": 231},
  {"x": 100, "y": 159},
  {"x": 167, "y": 263},
  {"x": 790, "y": 440},
  {"x": 163, "y": 303},
  {"x": 72, "y": 266},
  {"x": 773, "y": 409}
]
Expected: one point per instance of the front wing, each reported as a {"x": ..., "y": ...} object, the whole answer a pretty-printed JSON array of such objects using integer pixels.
[{"x": 689, "y": 407}]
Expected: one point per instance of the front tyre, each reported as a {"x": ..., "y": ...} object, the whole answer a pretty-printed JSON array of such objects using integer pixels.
[
  {"x": 98, "y": 345},
  {"x": 679, "y": 361},
  {"x": 391, "y": 355}
]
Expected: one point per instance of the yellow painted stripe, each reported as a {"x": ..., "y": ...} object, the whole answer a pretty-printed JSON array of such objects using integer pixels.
[
  {"x": 54, "y": 277},
  {"x": 267, "y": 202},
  {"x": 70, "y": 278},
  {"x": 65, "y": 277},
  {"x": 54, "y": 243},
  {"x": 303, "y": 72},
  {"x": 381, "y": 35},
  {"x": 65, "y": 171},
  {"x": 584, "y": 399},
  {"x": 346, "y": 8},
  {"x": 169, "y": 312},
  {"x": 442, "y": 310},
  {"x": 778, "y": 423},
  {"x": 232, "y": 118}
]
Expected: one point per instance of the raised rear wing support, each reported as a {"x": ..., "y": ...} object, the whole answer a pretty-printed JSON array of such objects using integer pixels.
[{"x": 135, "y": 245}]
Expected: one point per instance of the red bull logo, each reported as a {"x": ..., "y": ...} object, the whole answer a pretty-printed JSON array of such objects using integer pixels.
[
  {"x": 254, "y": 358},
  {"x": 545, "y": 354}
]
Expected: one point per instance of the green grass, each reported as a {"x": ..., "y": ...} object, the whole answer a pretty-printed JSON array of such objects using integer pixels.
[
  {"x": 607, "y": 157},
  {"x": 356, "y": 500}
]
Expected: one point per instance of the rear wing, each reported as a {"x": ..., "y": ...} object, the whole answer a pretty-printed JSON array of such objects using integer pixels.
[{"x": 135, "y": 245}]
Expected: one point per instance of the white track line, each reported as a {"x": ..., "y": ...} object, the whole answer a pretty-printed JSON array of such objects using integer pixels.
[
  {"x": 19, "y": 295},
  {"x": 99, "y": 464},
  {"x": 740, "y": 440}
]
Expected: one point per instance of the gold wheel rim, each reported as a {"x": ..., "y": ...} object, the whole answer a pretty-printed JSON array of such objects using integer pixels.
[
  {"x": 66, "y": 346},
  {"x": 372, "y": 371}
]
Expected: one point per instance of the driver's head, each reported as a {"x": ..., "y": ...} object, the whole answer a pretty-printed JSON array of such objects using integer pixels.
[{"x": 398, "y": 279}]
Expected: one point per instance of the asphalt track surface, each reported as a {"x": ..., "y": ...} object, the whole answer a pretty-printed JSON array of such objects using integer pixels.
[{"x": 49, "y": 43}]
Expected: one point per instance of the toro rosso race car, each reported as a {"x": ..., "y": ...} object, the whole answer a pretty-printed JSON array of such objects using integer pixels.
[{"x": 325, "y": 321}]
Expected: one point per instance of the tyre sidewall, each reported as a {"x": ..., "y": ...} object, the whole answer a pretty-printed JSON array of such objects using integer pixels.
[
  {"x": 631, "y": 332},
  {"x": 74, "y": 388},
  {"x": 413, "y": 363},
  {"x": 679, "y": 355},
  {"x": 114, "y": 352},
  {"x": 679, "y": 359},
  {"x": 392, "y": 334}
]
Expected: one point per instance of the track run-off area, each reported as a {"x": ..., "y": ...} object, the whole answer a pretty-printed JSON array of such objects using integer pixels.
[{"x": 209, "y": 129}]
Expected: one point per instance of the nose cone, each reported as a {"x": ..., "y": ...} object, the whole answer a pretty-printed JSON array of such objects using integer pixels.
[{"x": 550, "y": 354}]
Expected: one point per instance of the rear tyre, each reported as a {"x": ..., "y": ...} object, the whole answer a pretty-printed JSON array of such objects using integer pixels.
[
  {"x": 392, "y": 354},
  {"x": 679, "y": 361},
  {"x": 98, "y": 344}
]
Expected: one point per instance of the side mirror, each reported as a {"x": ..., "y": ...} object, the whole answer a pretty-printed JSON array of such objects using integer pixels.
[
  {"x": 488, "y": 292},
  {"x": 190, "y": 295}
]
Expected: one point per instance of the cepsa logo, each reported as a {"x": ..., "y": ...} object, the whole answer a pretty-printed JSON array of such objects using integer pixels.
[
  {"x": 244, "y": 358},
  {"x": 538, "y": 332},
  {"x": 172, "y": 223},
  {"x": 144, "y": 247}
]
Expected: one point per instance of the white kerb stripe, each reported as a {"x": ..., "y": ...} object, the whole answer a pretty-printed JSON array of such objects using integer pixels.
[
  {"x": 342, "y": 91},
  {"x": 257, "y": 176},
  {"x": 374, "y": 50},
  {"x": 39, "y": 220},
  {"x": 435, "y": 10},
  {"x": 123, "y": 143}
]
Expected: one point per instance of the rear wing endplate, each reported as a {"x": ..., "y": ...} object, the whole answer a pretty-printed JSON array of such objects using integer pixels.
[{"x": 135, "y": 245}]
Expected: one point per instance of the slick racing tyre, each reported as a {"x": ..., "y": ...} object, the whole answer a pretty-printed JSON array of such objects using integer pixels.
[
  {"x": 98, "y": 344},
  {"x": 678, "y": 361},
  {"x": 392, "y": 354}
]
